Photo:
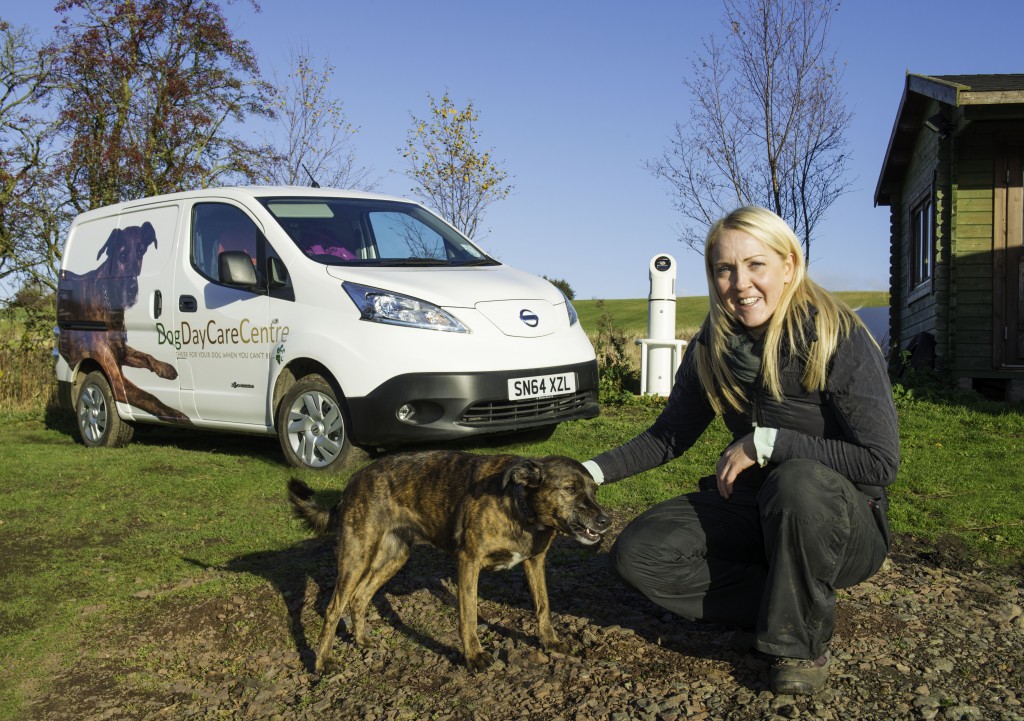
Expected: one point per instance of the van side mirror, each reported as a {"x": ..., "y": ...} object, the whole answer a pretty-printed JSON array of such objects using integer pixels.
[{"x": 235, "y": 268}]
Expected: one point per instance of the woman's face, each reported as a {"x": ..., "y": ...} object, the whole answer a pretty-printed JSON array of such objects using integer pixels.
[{"x": 750, "y": 278}]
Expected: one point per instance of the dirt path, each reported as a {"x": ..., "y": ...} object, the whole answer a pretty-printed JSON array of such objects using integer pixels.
[{"x": 918, "y": 641}]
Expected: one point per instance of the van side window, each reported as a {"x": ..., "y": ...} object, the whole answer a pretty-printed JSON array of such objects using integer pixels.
[{"x": 216, "y": 228}]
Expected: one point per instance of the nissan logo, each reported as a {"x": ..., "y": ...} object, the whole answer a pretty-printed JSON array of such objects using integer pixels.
[{"x": 529, "y": 317}]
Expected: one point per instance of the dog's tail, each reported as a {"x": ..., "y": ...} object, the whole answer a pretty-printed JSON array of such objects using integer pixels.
[{"x": 318, "y": 519}]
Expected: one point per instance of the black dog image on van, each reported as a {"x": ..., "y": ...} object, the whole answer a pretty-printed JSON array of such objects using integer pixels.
[{"x": 91, "y": 318}]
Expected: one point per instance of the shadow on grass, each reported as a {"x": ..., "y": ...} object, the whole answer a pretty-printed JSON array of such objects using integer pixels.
[{"x": 180, "y": 437}]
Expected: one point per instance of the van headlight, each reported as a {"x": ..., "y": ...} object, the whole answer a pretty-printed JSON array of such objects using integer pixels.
[
  {"x": 384, "y": 306},
  {"x": 573, "y": 316}
]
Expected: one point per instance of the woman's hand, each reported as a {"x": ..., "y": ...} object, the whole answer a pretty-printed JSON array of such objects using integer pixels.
[{"x": 735, "y": 459}]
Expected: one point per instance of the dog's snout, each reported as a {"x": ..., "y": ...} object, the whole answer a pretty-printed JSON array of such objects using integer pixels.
[{"x": 602, "y": 523}]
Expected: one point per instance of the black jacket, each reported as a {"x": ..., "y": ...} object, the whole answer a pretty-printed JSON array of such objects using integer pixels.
[{"x": 850, "y": 427}]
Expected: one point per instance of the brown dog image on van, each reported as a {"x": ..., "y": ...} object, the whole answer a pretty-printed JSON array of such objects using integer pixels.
[
  {"x": 487, "y": 511},
  {"x": 93, "y": 306}
]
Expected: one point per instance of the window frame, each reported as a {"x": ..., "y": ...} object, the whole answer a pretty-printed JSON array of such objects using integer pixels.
[
  {"x": 259, "y": 260},
  {"x": 922, "y": 245}
]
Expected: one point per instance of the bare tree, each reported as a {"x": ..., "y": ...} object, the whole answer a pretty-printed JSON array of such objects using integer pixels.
[
  {"x": 451, "y": 173},
  {"x": 768, "y": 120},
  {"x": 39, "y": 219},
  {"x": 312, "y": 137},
  {"x": 24, "y": 84}
]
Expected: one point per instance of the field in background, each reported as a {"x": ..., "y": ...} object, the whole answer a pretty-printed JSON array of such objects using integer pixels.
[
  {"x": 628, "y": 319},
  {"x": 630, "y": 314}
]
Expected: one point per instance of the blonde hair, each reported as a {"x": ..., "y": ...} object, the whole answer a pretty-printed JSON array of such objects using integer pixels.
[{"x": 789, "y": 327}]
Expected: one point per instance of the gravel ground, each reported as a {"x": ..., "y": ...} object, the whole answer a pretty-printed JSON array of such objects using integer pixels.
[{"x": 931, "y": 636}]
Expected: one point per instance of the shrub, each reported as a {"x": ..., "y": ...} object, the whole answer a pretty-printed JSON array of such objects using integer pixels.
[
  {"x": 618, "y": 379},
  {"x": 912, "y": 384},
  {"x": 26, "y": 354}
]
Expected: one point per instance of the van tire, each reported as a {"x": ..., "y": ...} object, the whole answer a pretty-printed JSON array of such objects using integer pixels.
[
  {"x": 313, "y": 426},
  {"x": 99, "y": 426}
]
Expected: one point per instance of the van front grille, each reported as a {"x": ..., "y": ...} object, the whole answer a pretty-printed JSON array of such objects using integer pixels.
[{"x": 500, "y": 413}]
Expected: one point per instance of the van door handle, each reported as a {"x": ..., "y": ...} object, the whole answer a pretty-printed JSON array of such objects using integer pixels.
[
  {"x": 158, "y": 304},
  {"x": 187, "y": 304}
]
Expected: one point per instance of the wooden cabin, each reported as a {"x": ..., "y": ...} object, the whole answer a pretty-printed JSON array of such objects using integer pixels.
[{"x": 953, "y": 179}]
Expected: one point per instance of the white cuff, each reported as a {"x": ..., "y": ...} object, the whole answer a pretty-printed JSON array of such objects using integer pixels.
[
  {"x": 595, "y": 471},
  {"x": 764, "y": 444}
]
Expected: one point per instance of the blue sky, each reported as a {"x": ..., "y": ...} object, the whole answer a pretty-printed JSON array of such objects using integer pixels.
[{"x": 575, "y": 96}]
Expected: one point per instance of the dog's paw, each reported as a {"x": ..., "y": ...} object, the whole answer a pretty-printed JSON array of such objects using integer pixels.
[
  {"x": 368, "y": 643},
  {"x": 555, "y": 646},
  {"x": 166, "y": 371},
  {"x": 479, "y": 661}
]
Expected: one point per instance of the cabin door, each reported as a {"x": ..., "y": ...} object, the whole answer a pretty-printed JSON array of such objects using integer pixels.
[{"x": 1008, "y": 261}]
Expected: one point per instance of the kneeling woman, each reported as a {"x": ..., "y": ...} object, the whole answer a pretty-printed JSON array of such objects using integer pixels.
[{"x": 796, "y": 507}]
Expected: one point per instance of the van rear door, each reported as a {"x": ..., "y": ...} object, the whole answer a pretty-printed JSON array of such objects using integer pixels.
[{"x": 149, "y": 367}]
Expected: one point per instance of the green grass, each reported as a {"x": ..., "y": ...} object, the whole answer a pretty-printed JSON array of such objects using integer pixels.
[
  {"x": 630, "y": 315},
  {"x": 961, "y": 476},
  {"x": 84, "y": 531}
]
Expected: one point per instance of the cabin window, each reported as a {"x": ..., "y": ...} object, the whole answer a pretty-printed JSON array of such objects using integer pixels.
[{"x": 922, "y": 241}]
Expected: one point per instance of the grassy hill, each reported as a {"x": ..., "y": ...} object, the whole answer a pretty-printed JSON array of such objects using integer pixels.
[{"x": 630, "y": 314}]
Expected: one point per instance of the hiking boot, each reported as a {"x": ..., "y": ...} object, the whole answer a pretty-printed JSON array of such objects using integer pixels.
[{"x": 798, "y": 676}]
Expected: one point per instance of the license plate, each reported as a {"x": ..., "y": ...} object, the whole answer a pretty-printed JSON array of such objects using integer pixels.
[{"x": 541, "y": 386}]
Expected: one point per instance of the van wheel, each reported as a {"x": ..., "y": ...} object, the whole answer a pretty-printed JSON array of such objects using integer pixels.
[
  {"x": 98, "y": 422},
  {"x": 313, "y": 428}
]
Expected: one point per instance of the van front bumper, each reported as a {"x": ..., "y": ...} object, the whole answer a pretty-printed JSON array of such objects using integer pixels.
[{"x": 444, "y": 406}]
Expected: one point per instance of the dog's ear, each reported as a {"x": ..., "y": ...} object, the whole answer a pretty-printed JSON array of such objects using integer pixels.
[
  {"x": 112, "y": 241},
  {"x": 524, "y": 473},
  {"x": 148, "y": 234}
]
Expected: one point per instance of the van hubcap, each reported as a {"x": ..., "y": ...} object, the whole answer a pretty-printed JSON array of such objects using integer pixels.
[
  {"x": 316, "y": 429},
  {"x": 92, "y": 413}
]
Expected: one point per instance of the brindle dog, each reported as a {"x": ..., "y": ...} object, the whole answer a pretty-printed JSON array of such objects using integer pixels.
[{"x": 488, "y": 511}]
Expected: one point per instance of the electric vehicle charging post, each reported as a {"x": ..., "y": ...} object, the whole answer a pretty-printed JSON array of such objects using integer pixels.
[{"x": 660, "y": 352}]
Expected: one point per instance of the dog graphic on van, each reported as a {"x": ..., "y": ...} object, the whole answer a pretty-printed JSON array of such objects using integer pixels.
[{"x": 94, "y": 303}]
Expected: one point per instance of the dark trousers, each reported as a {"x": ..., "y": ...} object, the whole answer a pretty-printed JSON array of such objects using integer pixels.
[{"x": 769, "y": 558}]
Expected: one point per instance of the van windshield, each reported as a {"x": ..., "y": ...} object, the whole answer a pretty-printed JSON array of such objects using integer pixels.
[{"x": 352, "y": 231}]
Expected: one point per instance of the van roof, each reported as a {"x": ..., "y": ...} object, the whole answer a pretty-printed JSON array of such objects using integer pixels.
[{"x": 244, "y": 192}]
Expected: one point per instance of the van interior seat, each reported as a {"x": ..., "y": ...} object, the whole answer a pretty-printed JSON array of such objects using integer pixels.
[
  {"x": 323, "y": 241},
  {"x": 238, "y": 237}
]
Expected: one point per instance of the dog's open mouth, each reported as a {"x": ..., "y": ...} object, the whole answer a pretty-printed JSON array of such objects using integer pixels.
[{"x": 584, "y": 535}]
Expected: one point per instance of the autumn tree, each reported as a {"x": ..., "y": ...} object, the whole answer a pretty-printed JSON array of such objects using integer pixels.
[
  {"x": 24, "y": 84},
  {"x": 451, "y": 173},
  {"x": 152, "y": 93},
  {"x": 767, "y": 123},
  {"x": 312, "y": 138}
]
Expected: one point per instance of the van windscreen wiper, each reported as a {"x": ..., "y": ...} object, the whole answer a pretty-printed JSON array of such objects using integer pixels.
[
  {"x": 389, "y": 262},
  {"x": 476, "y": 261}
]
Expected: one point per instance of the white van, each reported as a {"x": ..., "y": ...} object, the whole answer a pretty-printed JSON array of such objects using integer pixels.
[{"x": 330, "y": 318}]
